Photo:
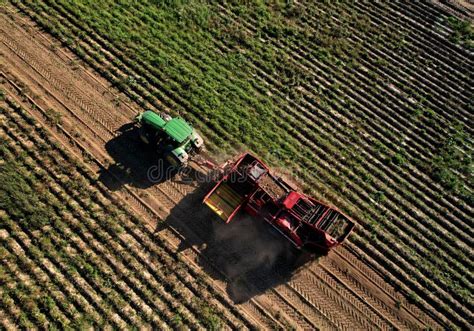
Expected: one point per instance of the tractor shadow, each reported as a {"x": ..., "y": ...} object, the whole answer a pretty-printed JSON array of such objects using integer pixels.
[
  {"x": 247, "y": 254},
  {"x": 134, "y": 162}
]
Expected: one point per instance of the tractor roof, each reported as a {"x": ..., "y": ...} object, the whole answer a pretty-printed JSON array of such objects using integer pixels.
[
  {"x": 153, "y": 119},
  {"x": 176, "y": 128}
]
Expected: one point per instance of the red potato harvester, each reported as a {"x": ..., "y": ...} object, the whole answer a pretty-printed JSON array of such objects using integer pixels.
[{"x": 247, "y": 184}]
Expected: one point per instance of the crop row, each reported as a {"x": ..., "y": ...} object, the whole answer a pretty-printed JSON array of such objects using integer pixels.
[
  {"x": 461, "y": 221},
  {"x": 54, "y": 292},
  {"x": 440, "y": 31},
  {"x": 98, "y": 271},
  {"x": 230, "y": 127},
  {"x": 425, "y": 47},
  {"x": 126, "y": 245},
  {"x": 36, "y": 254}
]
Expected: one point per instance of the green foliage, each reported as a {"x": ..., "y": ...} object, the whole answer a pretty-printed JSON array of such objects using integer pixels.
[
  {"x": 463, "y": 33},
  {"x": 413, "y": 297},
  {"x": 209, "y": 317},
  {"x": 177, "y": 319},
  {"x": 379, "y": 196},
  {"x": 53, "y": 117},
  {"x": 398, "y": 159},
  {"x": 20, "y": 200},
  {"x": 452, "y": 164}
]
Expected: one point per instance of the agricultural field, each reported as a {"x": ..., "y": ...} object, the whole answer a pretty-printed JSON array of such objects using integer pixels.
[{"x": 366, "y": 105}]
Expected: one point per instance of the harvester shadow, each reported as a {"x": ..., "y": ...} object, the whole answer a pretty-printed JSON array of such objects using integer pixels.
[
  {"x": 246, "y": 254},
  {"x": 135, "y": 163}
]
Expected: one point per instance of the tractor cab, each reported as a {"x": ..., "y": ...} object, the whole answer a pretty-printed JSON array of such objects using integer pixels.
[{"x": 174, "y": 139}]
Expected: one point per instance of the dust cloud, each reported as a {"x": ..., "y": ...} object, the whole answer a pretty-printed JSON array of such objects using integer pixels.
[{"x": 250, "y": 245}]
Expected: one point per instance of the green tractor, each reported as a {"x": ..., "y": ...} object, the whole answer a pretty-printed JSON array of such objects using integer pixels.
[{"x": 175, "y": 139}]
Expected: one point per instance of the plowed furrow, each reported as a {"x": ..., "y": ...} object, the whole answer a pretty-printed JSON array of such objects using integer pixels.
[
  {"x": 364, "y": 295},
  {"x": 341, "y": 300},
  {"x": 383, "y": 294}
]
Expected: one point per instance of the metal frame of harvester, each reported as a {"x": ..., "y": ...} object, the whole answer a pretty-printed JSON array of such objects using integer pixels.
[{"x": 248, "y": 184}]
